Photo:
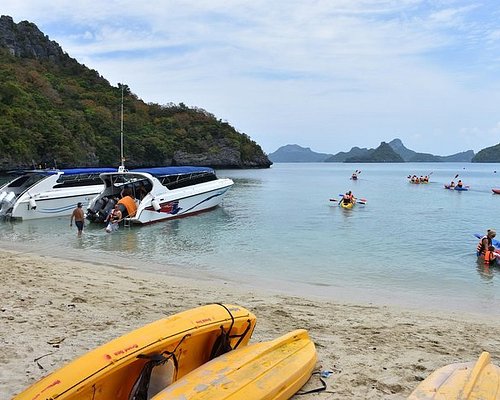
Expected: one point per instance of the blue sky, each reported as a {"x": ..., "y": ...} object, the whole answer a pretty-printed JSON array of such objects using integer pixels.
[{"x": 328, "y": 75}]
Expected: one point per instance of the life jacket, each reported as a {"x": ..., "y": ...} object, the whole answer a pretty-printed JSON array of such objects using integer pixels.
[
  {"x": 129, "y": 204},
  {"x": 480, "y": 248},
  {"x": 487, "y": 257}
]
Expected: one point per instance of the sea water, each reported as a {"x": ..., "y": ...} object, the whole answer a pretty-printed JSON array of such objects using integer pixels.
[{"x": 410, "y": 245}]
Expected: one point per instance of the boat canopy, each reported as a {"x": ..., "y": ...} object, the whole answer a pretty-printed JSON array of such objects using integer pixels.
[
  {"x": 70, "y": 171},
  {"x": 169, "y": 171}
]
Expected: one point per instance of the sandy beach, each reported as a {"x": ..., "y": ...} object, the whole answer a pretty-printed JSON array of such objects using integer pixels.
[{"x": 53, "y": 310}]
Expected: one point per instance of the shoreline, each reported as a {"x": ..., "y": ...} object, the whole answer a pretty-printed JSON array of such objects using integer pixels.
[
  {"x": 313, "y": 289},
  {"x": 58, "y": 309}
]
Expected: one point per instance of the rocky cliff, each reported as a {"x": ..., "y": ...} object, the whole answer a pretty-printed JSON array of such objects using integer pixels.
[{"x": 57, "y": 112}]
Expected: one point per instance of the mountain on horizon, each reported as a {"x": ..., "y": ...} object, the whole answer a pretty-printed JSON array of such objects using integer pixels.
[
  {"x": 412, "y": 156},
  {"x": 295, "y": 153},
  {"x": 382, "y": 154}
]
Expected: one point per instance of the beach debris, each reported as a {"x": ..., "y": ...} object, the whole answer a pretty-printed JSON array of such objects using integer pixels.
[
  {"x": 326, "y": 373},
  {"x": 38, "y": 358},
  {"x": 78, "y": 300},
  {"x": 56, "y": 340}
]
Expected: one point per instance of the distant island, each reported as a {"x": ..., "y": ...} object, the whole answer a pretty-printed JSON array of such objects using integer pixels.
[{"x": 392, "y": 152}]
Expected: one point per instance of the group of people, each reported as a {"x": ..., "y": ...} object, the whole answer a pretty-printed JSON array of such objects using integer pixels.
[
  {"x": 347, "y": 198},
  {"x": 485, "y": 249},
  {"x": 416, "y": 179},
  {"x": 113, "y": 208},
  {"x": 459, "y": 184}
]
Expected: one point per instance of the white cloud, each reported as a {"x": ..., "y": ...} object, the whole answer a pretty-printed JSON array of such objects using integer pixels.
[{"x": 335, "y": 73}]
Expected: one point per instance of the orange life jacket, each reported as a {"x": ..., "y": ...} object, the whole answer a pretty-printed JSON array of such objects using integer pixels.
[
  {"x": 480, "y": 249},
  {"x": 488, "y": 259},
  {"x": 129, "y": 204}
]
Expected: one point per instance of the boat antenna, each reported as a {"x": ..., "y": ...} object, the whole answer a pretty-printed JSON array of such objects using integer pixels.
[{"x": 122, "y": 159}]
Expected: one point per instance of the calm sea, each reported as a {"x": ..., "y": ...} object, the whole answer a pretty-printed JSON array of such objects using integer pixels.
[{"x": 410, "y": 245}]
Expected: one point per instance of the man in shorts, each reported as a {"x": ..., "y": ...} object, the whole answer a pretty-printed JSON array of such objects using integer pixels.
[{"x": 79, "y": 216}]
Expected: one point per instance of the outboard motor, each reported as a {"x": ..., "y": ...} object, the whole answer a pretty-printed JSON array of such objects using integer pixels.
[
  {"x": 6, "y": 203},
  {"x": 93, "y": 212},
  {"x": 107, "y": 208}
]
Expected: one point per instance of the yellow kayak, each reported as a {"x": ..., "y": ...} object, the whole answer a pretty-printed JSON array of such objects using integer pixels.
[
  {"x": 128, "y": 365},
  {"x": 347, "y": 206},
  {"x": 461, "y": 381},
  {"x": 271, "y": 370}
]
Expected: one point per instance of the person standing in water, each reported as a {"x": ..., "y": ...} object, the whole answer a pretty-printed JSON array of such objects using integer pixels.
[
  {"x": 79, "y": 217},
  {"x": 485, "y": 242}
]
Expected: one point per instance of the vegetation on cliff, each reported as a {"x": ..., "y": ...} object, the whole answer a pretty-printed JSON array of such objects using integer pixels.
[
  {"x": 382, "y": 154},
  {"x": 57, "y": 112},
  {"x": 488, "y": 155}
]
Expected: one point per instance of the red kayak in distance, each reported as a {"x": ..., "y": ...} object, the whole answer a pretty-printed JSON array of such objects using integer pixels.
[{"x": 496, "y": 191}]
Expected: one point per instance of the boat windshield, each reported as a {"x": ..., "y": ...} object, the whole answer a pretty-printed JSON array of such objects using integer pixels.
[
  {"x": 85, "y": 179},
  {"x": 183, "y": 180},
  {"x": 135, "y": 185},
  {"x": 26, "y": 180}
]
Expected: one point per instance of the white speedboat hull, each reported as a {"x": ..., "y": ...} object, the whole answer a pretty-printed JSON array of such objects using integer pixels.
[
  {"x": 182, "y": 202},
  {"x": 53, "y": 203},
  {"x": 37, "y": 194},
  {"x": 155, "y": 194}
]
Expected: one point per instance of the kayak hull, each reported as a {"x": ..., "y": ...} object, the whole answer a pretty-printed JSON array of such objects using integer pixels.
[
  {"x": 268, "y": 370},
  {"x": 460, "y": 189},
  {"x": 496, "y": 191},
  {"x": 348, "y": 206},
  {"x": 112, "y": 370},
  {"x": 461, "y": 381}
]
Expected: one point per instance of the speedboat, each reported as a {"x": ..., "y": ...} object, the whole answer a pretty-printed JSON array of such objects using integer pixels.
[
  {"x": 149, "y": 195},
  {"x": 42, "y": 193}
]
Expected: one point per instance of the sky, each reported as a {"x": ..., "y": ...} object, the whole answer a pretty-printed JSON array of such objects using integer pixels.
[{"x": 323, "y": 74}]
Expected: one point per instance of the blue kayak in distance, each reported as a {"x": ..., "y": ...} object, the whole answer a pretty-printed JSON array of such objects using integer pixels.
[{"x": 463, "y": 188}]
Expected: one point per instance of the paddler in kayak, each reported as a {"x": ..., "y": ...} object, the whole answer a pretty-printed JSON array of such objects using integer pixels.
[
  {"x": 347, "y": 198},
  {"x": 485, "y": 242},
  {"x": 460, "y": 184}
]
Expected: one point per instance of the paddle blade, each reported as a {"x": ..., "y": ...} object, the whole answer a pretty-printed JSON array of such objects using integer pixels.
[{"x": 333, "y": 199}]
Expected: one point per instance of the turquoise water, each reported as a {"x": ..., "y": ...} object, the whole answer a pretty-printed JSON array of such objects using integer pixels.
[{"x": 410, "y": 245}]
